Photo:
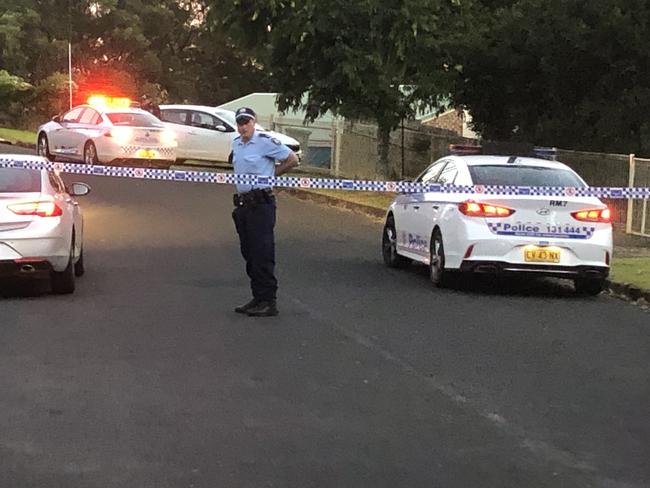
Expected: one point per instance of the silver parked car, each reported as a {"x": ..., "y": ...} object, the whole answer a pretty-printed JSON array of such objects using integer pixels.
[
  {"x": 41, "y": 226},
  {"x": 205, "y": 133}
]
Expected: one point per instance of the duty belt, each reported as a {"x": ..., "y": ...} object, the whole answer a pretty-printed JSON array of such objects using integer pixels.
[{"x": 253, "y": 197}]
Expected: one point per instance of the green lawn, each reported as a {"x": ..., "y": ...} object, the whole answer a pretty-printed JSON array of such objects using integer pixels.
[
  {"x": 635, "y": 271},
  {"x": 14, "y": 135}
]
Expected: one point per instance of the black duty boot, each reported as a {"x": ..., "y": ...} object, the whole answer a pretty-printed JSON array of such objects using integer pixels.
[
  {"x": 264, "y": 308},
  {"x": 245, "y": 308}
]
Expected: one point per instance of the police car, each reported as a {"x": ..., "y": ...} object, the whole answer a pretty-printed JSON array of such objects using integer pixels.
[
  {"x": 561, "y": 236},
  {"x": 106, "y": 131}
]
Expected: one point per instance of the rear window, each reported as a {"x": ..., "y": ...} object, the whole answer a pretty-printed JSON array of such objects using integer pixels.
[
  {"x": 15, "y": 180},
  {"x": 523, "y": 176},
  {"x": 143, "y": 119}
]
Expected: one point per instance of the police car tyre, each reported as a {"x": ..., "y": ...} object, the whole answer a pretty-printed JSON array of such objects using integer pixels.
[
  {"x": 230, "y": 158},
  {"x": 79, "y": 267},
  {"x": 44, "y": 147},
  {"x": 589, "y": 286},
  {"x": 63, "y": 282},
  {"x": 90, "y": 153},
  {"x": 389, "y": 246},
  {"x": 439, "y": 276}
]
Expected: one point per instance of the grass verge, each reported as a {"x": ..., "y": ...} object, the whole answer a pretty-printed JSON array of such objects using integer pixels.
[
  {"x": 15, "y": 135},
  {"x": 635, "y": 271}
]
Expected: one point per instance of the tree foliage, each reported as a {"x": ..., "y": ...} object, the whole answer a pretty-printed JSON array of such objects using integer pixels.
[
  {"x": 372, "y": 59},
  {"x": 163, "y": 48},
  {"x": 568, "y": 73}
]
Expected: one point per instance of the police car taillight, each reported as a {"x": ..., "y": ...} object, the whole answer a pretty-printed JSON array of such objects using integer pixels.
[
  {"x": 478, "y": 209},
  {"x": 122, "y": 135},
  {"x": 40, "y": 209},
  {"x": 603, "y": 215}
]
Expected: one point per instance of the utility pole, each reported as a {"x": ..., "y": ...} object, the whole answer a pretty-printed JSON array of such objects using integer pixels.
[{"x": 70, "y": 71}]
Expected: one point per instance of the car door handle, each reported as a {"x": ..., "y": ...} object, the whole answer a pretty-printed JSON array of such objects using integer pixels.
[
  {"x": 416, "y": 207},
  {"x": 435, "y": 207}
]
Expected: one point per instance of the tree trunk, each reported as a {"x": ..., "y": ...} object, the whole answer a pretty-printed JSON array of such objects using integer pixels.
[{"x": 383, "y": 146}]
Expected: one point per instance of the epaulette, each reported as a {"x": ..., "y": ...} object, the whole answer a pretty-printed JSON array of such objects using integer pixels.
[{"x": 262, "y": 134}]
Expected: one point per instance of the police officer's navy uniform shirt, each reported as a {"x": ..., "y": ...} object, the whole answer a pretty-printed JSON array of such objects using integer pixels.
[{"x": 257, "y": 157}]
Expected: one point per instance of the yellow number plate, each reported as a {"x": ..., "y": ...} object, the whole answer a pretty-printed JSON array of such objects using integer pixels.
[
  {"x": 541, "y": 255},
  {"x": 147, "y": 153}
]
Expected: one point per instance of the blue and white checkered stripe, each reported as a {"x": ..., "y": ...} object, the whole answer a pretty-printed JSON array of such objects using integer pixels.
[
  {"x": 35, "y": 162},
  {"x": 499, "y": 228}
]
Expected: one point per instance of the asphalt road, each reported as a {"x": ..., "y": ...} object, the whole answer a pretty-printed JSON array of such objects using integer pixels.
[{"x": 368, "y": 378}]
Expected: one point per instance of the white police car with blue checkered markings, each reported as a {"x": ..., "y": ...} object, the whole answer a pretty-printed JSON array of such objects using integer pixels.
[{"x": 563, "y": 236}]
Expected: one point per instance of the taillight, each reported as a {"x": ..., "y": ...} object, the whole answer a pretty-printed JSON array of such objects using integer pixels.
[
  {"x": 603, "y": 215},
  {"x": 40, "y": 209},
  {"x": 168, "y": 137},
  {"x": 122, "y": 135},
  {"x": 478, "y": 209}
]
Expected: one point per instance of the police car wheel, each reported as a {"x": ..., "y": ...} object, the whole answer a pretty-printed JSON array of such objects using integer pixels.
[
  {"x": 589, "y": 286},
  {"x": 90, "y": 153},
  {"x": 439, "y": 276},
  {"x": 44, "y": 147},
  {"x": 389, "y": 246}
]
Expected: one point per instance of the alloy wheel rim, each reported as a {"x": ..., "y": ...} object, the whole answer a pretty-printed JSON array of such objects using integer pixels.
[
  {"x": 390, "y": 244},
  {"x": 90, "y": 155},
  {"x": 435, "y": 260}
]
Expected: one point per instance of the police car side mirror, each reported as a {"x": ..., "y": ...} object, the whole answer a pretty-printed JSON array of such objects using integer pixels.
[
  {"x": 57, "y": 118},
  {"x": 221, "y": 128}
]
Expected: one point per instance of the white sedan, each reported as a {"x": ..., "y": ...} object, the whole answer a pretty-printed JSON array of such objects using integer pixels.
[
  {"x": 205, "y": 133},
  {"x": 41, "y": 226},
  {"x": 566, "y": 237},
  {"x": 106, "y": 133}
]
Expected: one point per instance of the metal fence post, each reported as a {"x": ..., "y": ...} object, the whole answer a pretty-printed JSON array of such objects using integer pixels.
[
  {"x": 338, "y": 135},
  {"x": 630, "y": 202}
]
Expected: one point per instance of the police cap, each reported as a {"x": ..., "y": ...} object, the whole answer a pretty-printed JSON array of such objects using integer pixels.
[{"x": 244, "y": 113}]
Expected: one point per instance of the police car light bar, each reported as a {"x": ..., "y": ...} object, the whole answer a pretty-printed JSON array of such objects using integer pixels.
[{"x": 102, "y": 102}]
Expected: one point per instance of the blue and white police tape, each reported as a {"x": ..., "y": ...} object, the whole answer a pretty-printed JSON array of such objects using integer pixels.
[{"x": 36, "y": 162}]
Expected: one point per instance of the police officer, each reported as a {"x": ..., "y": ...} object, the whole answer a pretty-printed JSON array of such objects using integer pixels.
[
  {"x": 148, "y": 104},
  {"x": 256, "y": 153}
]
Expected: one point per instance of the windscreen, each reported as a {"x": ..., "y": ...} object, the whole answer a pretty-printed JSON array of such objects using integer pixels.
[
  {"x": 134, "y": 119},
  {"x": 16, "y": 180},
  {"x": 513, "y": 175}
]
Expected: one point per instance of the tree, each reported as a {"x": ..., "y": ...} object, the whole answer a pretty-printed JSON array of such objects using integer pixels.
[
  {"x": 569, "y": 73},
  {"x": 11, "y": 86},
  {"x": 352, "y": 58}
]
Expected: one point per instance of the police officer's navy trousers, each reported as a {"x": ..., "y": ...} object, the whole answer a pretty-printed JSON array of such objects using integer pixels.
[{"x": 254, "y": 223}]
